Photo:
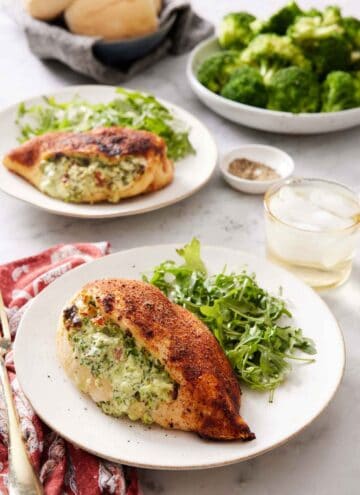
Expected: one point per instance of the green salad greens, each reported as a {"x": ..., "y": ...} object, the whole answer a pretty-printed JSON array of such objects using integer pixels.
[
  {"x": 299, "y": 60},
  {"x": 128, "y": 109},
  {"x": 247, "y": 321}
]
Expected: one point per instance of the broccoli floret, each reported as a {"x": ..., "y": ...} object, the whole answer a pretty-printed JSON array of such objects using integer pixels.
[
  {"x": 331, "y": 15},
  {"x": 308, "y": 28},
  {"x": 216, "y": 70},
  {"x": 312, "y": 12},
  {"x": 279, "y": 22},
  {"x": 246, "y": 86},
  {"x": 294, "y": 90},
  {"x": 340, "y": 91},
  {"x": 323, "y": 41},
  {"x": 356, "y": 79},
  {"x": 355, "y": 60},
  {"x": 270, "y": 52},
  {"x": 352, "y": 30},
  {"x": 234, "y": 30},
  {"x": 330, "y": 54},
  {"x": 352, "y": 33}
]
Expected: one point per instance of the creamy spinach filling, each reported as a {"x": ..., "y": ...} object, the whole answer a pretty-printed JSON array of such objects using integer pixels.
[
  {"x": 74, "y": 179},
  {"x": 139, "y": 381}
]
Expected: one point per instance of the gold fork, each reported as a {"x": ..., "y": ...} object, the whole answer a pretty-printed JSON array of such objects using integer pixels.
[{"x": 22, "y": 479}]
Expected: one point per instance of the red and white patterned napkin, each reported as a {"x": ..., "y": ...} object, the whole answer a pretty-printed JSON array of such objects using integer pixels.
[{"x": 63, "y": 468}]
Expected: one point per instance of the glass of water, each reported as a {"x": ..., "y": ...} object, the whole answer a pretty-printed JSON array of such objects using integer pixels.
[{"x": 312, "y": 229}]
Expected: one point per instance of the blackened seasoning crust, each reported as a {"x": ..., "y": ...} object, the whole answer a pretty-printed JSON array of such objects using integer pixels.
[
  {"x": 71, "y": 315},
  {"x": 108, "y": 303},
  {"x": 106, "y": 143},
  {"x": 175, "y": 391}
]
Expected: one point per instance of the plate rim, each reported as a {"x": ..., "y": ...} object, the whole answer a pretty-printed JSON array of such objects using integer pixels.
[
  {"x": 147, "y": 209},
  {"x": 234, "y": 460}
]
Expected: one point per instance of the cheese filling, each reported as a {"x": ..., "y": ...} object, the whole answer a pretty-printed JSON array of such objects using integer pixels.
[
  {"x": 75, "y": 179},
  {"x": 139, "y": 382}
]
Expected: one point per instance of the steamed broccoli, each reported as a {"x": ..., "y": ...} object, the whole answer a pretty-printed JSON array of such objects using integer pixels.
[
  {"x": 234, "y": 30},
  {"x": 313, "y": 12},
  {"x": 356, "y": 79},
  {"x": 352, "y": 30},
  {"x": 340, "y": 92},
  {"x": 295, "y": 61},
  {"x": 322, "y": 39},
  {"x": 331, "y": 15},
  {"x": 293, "y": 90},
  {"x": 333, "y": 53},
  {"x": 246, "y": 86},
  {"x": 308, "y": 28},
  {"x": 216, "y": 70},
  {"x": 355, "y": 60},
  {"x": 270, "y": 52},
  {"x": 278, "y": 22}
]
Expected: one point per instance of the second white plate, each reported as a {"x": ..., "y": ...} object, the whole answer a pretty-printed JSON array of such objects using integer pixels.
[
  {"x": 191, "y": 173},
  {"x": 74, "y": 416}
]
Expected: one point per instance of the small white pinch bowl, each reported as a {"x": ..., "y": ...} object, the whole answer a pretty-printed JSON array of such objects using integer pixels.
[{"x": 273, "y": 157}]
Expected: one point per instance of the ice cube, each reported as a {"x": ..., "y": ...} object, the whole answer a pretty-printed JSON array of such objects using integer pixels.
[
  {"x": 312, "y": 208},
  {"x": 335, "y": 202}
]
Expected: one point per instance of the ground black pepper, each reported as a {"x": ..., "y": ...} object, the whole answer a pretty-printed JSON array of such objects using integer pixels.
[{"x": 250, "y": 170}]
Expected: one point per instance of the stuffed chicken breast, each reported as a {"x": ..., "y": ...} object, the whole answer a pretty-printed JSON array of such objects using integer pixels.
[
  {"x": 139, "y": 355},
  {"x": 89, "y": 167}
]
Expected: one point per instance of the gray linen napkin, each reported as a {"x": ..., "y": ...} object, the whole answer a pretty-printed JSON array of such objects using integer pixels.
[{"x": 48, "y": 41}]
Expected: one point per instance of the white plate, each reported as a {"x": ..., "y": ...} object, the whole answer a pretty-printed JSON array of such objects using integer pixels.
[
  {"x": 260, "y": 118},
  {"x": 56, "y": 400},
  {"x": 191, "y": 173}
]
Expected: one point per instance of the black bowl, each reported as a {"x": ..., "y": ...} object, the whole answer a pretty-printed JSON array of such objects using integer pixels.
[{"x": 122, "y": 52}]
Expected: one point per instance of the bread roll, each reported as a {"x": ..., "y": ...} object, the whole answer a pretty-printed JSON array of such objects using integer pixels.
[
  {"x": 111, "y": 19},
  {"x": 158, "y": 5},
  {"x": 46, "y": 10}
]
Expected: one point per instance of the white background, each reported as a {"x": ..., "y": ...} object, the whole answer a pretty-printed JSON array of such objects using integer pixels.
[{"x": 325, "y": 459}]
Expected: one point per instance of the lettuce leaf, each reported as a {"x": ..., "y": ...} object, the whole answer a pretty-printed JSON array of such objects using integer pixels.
[
  {"x": 252, "y": 326},
  {"x": 128, "y": 109}
]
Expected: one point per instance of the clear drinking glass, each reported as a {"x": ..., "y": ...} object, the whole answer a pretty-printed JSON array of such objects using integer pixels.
[{"x": 312, "y": 229}]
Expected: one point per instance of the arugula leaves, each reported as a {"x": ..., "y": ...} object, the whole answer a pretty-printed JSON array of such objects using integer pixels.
[
  {"x": 191, "y": 254},
  {"x": 244, "y": 318},
  {"x": 128, "y": 109}
]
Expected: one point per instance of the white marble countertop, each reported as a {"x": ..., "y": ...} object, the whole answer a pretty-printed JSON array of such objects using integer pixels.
[{"x": 323, "y": 460}]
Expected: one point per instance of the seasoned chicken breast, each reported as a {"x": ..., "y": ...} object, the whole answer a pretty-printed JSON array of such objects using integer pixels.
[
  {"x": 89, "y": 167},
  {"x": 139, "y": 355}
]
